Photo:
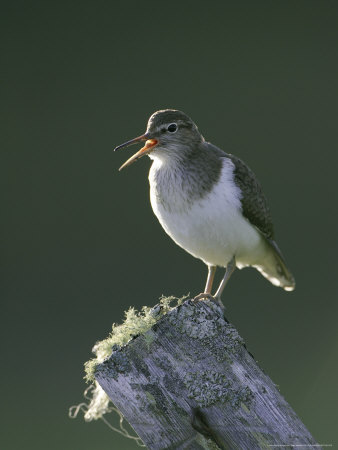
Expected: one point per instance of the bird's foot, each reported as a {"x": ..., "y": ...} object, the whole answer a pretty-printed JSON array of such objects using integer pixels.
[
  {"x": 203, "y": 296},
  {"x": 206, "y": 296}
]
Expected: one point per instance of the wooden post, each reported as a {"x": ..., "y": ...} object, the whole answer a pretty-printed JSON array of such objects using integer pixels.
[{"x": 190, "y": 383}]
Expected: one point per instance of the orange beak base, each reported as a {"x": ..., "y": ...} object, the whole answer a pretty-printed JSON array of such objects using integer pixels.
[{"x": 150, "y": 144}]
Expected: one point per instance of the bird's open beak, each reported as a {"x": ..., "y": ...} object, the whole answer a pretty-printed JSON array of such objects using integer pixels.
[{"x": 149, "y": 145}]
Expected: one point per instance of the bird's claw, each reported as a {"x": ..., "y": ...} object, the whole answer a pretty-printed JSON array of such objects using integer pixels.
[
  {"x": 203, "y": 296},
  {"x": 206, "y": 296}
]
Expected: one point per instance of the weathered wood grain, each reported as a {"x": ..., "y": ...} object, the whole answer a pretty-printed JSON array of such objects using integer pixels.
[{"x": 190, "y": 383}]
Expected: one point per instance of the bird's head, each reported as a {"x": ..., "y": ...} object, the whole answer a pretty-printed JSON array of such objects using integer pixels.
[{"x": 169, "y": 134}]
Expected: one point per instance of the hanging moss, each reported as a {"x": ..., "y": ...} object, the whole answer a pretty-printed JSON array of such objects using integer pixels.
[{"x": 135, "y": 323}]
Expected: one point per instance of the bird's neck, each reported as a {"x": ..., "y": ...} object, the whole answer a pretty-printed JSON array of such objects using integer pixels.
[{"x": 178, "y": 180}]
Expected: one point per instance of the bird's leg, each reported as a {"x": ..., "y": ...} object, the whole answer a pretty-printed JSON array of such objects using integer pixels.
[
  {"x": 229, "y": 271},
  {"x": 210, "y": 279},
  {"x": 208, "y": 286}
]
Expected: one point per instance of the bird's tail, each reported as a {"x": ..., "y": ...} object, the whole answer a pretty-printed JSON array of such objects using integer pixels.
[{"x": 275, "y": 269}]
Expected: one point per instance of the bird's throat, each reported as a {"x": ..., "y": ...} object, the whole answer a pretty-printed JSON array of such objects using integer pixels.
[{"x": 177, "y": 181}]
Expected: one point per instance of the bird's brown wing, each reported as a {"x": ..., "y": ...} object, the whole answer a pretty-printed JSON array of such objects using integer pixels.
[
  {"x": 255, "y": 209},
  {"x": 254, "y": 204}
]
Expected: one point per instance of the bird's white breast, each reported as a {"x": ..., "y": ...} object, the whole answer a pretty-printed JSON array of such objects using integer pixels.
[{"x": 211, "y": 228}]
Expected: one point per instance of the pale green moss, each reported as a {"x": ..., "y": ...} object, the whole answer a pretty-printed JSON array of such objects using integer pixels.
[{"x": 135, "y": 323}]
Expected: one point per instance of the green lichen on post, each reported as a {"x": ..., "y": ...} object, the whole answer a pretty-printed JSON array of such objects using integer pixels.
[
  {"x": 227, "y": 345},
  {"x": 209, "y": 387},
  {"x": 199, "y": 323},
  {"x": 207, "y": 444},
  {"x": 196, "y": 322},
  {"x": 116, "y": 364},
  {"x": 149, "y": 338},
  {"x": 263, "y": 440},
  {"x": 135, "y": 323},
  {"x": 150, "y": 398}
]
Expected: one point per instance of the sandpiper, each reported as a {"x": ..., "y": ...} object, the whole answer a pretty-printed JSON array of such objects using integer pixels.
[{"x": 209, "y": 202}]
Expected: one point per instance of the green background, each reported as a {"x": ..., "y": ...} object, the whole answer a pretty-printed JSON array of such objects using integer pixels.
[{"x": 80, "y": 242}]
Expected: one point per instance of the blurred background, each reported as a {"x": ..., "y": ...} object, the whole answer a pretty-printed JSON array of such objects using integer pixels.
[{"x": 80, "y": 242}]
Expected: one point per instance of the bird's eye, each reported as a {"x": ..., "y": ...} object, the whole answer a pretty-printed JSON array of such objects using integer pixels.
[{"x": 172, "y": 127}]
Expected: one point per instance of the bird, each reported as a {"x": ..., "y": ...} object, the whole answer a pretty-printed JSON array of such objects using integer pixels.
[{"x": 209, "y": 202}]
